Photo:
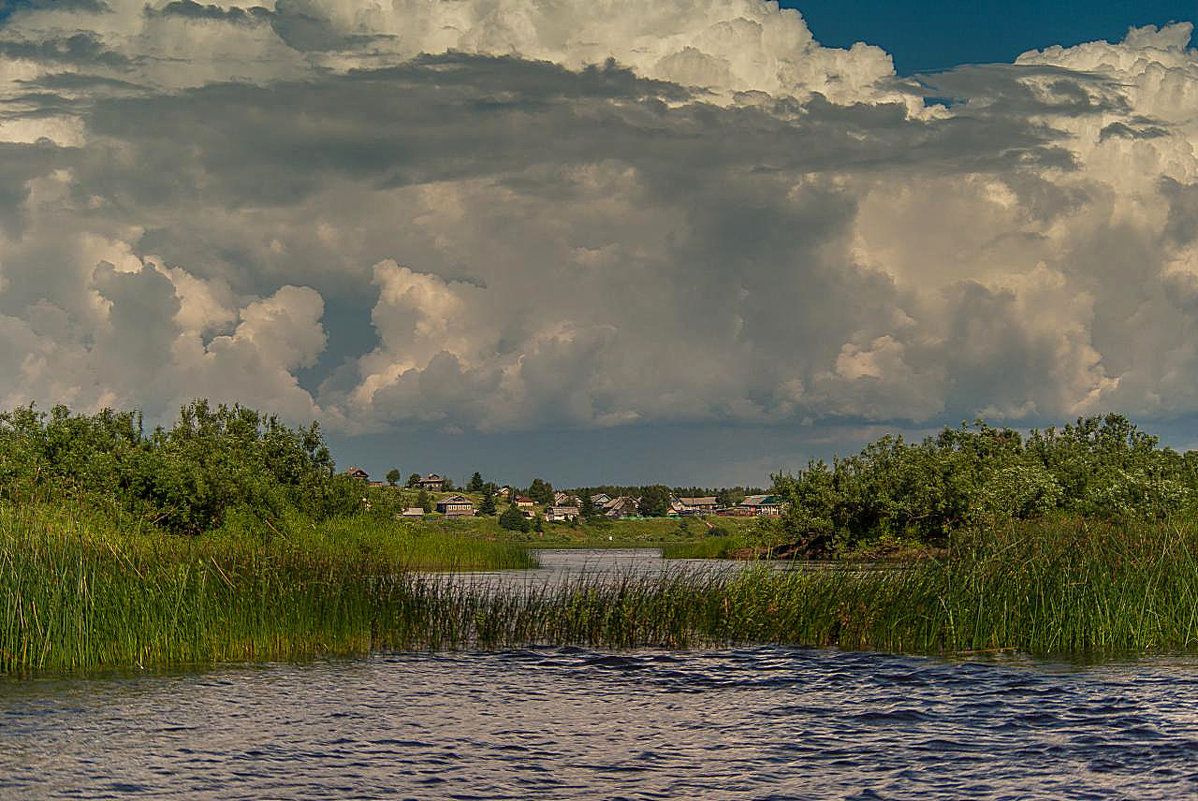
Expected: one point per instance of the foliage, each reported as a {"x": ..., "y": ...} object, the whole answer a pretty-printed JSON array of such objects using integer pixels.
[
  {"x": 424, "y": 501},
  {"x": 413, "y": 480},
  {"x": 541, "y": 491},
  {"x": 476, "y": 483},
  {"x": 393, "y": 476},
  {"x": 513, "y": 519},
  {"x": 1099, "y": 467},
  {"x": 655, "y": 501},
  {"x": 487, "y": 507},
  {"x": 211, "y": 463}
]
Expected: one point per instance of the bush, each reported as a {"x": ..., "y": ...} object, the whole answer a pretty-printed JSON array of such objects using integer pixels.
[{"x": 513, "y": 519}]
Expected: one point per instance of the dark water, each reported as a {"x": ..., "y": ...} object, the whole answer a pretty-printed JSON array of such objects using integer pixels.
[{"x": 754, "y": 723}]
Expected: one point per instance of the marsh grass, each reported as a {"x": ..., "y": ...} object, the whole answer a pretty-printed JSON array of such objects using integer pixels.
[{"x": 74, "y": 596}]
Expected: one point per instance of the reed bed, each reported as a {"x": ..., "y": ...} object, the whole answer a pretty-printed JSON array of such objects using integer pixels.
[{"x": 72, "y": 597}]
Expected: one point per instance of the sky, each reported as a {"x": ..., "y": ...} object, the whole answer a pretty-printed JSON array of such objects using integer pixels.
[{"x": 689, "y": 241}]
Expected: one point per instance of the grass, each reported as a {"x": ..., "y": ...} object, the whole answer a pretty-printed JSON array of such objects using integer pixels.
[
  {"x": 707, "y": 548},
  {"x": 76, "y": 595}
]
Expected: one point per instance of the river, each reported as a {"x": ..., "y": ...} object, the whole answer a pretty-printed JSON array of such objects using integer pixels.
[{"x": 762, "y": 722}]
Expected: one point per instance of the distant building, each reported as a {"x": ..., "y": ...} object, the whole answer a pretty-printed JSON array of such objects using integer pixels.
[
  {"x": 358, "y": 473},
  {"x": 762, "y": 505},
  {"x": 700, "y": 506},
  {"x": 565, "y": 499},
  {"x": 526, "y": 505},
  {"x": 623, "y": 506},
  {"x": 561, "y": 514},
  {"x": 412, "y": 513},
  {"x": 504, "y": 493},
  {"x": 601, "y": 500},
  {"x": 456, "y": 506},
  {"x": 432, "y": 482}
]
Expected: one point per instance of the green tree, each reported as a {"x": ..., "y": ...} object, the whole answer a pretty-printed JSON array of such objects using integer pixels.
[
  {"x": 541, "y": 491},
  {"x": 655, "y": 501},
  {"x": 476, "y": 483},
  {"x": 413, "y": 480},
  {"x": 393, "y": 476},
  {"x": 587, "y": 508},
  {"x": 513, "y": 519},
  {"x": 487, "y": 507},
  {"x": 424, "y": 501}
]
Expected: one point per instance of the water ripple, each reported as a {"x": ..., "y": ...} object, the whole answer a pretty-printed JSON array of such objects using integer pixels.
[{"x": 571, "y": 723}]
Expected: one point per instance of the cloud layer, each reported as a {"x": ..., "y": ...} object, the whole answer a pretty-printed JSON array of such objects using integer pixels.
[{"x": 501, "y": 215}]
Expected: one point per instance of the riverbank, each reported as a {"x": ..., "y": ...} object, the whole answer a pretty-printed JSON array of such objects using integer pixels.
[{"x": 75, "y": 597}]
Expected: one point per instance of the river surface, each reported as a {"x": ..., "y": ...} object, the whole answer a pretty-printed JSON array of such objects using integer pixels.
[{"x": 763, "y": 723}]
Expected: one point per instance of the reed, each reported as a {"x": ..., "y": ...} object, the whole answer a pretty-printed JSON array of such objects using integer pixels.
[{"x": 74, "y": 596}]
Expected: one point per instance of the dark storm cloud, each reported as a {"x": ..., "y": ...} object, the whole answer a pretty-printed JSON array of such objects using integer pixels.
[{"x": 189, "y": 9}]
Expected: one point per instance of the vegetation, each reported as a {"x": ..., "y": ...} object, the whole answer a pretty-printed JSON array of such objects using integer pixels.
[
  {"x": 1101, "y": 468},
  {"x": 213, "y": 463},
  {"x": 513, "y": 519},
  {"x": 78, "y": 596}
]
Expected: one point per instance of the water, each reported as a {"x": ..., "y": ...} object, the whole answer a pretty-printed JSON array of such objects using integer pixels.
[
  {"x": 569, "y": 723},
  {"x": 563, "y": 566}
]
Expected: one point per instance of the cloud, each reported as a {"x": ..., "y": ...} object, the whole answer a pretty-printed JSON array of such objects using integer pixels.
[{"x": 502, "y": 216}]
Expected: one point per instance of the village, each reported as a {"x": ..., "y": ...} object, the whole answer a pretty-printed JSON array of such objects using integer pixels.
[{"x": 437, "y": 495}]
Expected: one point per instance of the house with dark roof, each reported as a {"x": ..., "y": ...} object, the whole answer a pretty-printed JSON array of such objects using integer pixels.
[
  {"x": 762, "y": 505},
  {"x": 431, "y": 482},
  {"x": 456, "y": 506},
  {"x": 358, "y": 473},
  {"x": 623, "y": 506}
]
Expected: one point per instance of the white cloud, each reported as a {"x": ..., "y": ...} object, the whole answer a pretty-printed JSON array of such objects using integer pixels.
[{"x": 732, "y": 224}]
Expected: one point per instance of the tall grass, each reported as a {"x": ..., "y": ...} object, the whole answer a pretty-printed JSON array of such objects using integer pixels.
[{"x": 73, "y": 596}]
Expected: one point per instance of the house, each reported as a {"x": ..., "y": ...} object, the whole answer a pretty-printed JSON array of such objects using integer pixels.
[
  {"x": 526, "y": 505},
  {"x": 699, "y": 506},
  {"x": 412, "y": 513},
  {"x": 762, "y": 505},
  {"x": 358, "y": 473},
  {"x": 561, "y": 514},
  {"x": 503, "y": 493},
  {"x": 601, "y": 500},
  {"x": 623, "y": 506},
  {"x": 456, "y": 506},
  {"x": 432, "y": 482},
  {"x": 565, "y": 499}
]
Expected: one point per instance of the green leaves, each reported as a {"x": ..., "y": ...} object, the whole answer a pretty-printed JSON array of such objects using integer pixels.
[{"x": 1101, "y": 467}]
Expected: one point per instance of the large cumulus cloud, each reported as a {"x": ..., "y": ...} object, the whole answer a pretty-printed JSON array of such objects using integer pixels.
[{"x": 501, "y": 215}]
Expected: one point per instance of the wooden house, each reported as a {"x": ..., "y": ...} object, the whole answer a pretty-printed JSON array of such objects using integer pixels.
[
  {"x": 456, "y": 506},
  {"x": 431, "y": 482},
  {"x": 762, "y": 505},
  {"x": 699, "y": 506},
  {"x": 358, "y": 473},
  {"x": 621, "y": 507},
  {"x": 561, "y": 514}
]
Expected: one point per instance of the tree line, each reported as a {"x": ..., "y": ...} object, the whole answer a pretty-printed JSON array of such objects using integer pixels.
[
  {"x": 978, "y": 475},
  {"x": 214, "y": 462}
]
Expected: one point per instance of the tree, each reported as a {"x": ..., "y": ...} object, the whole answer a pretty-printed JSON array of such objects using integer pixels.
[
  {"x": 425, "y": 501},
  {"x": 476, "y": 483},
  {"x": 655, "y": 501},
  {"x": 513, "y": 519},
  {"x": 587, "y": 509},
  {"x": 393, "y": 476},
  {"x": 447, "y": 485},
  {"x": 541, "y": 492},
  {"x": 487, "y": 507},
  {"x": 413, "y": 480}
]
